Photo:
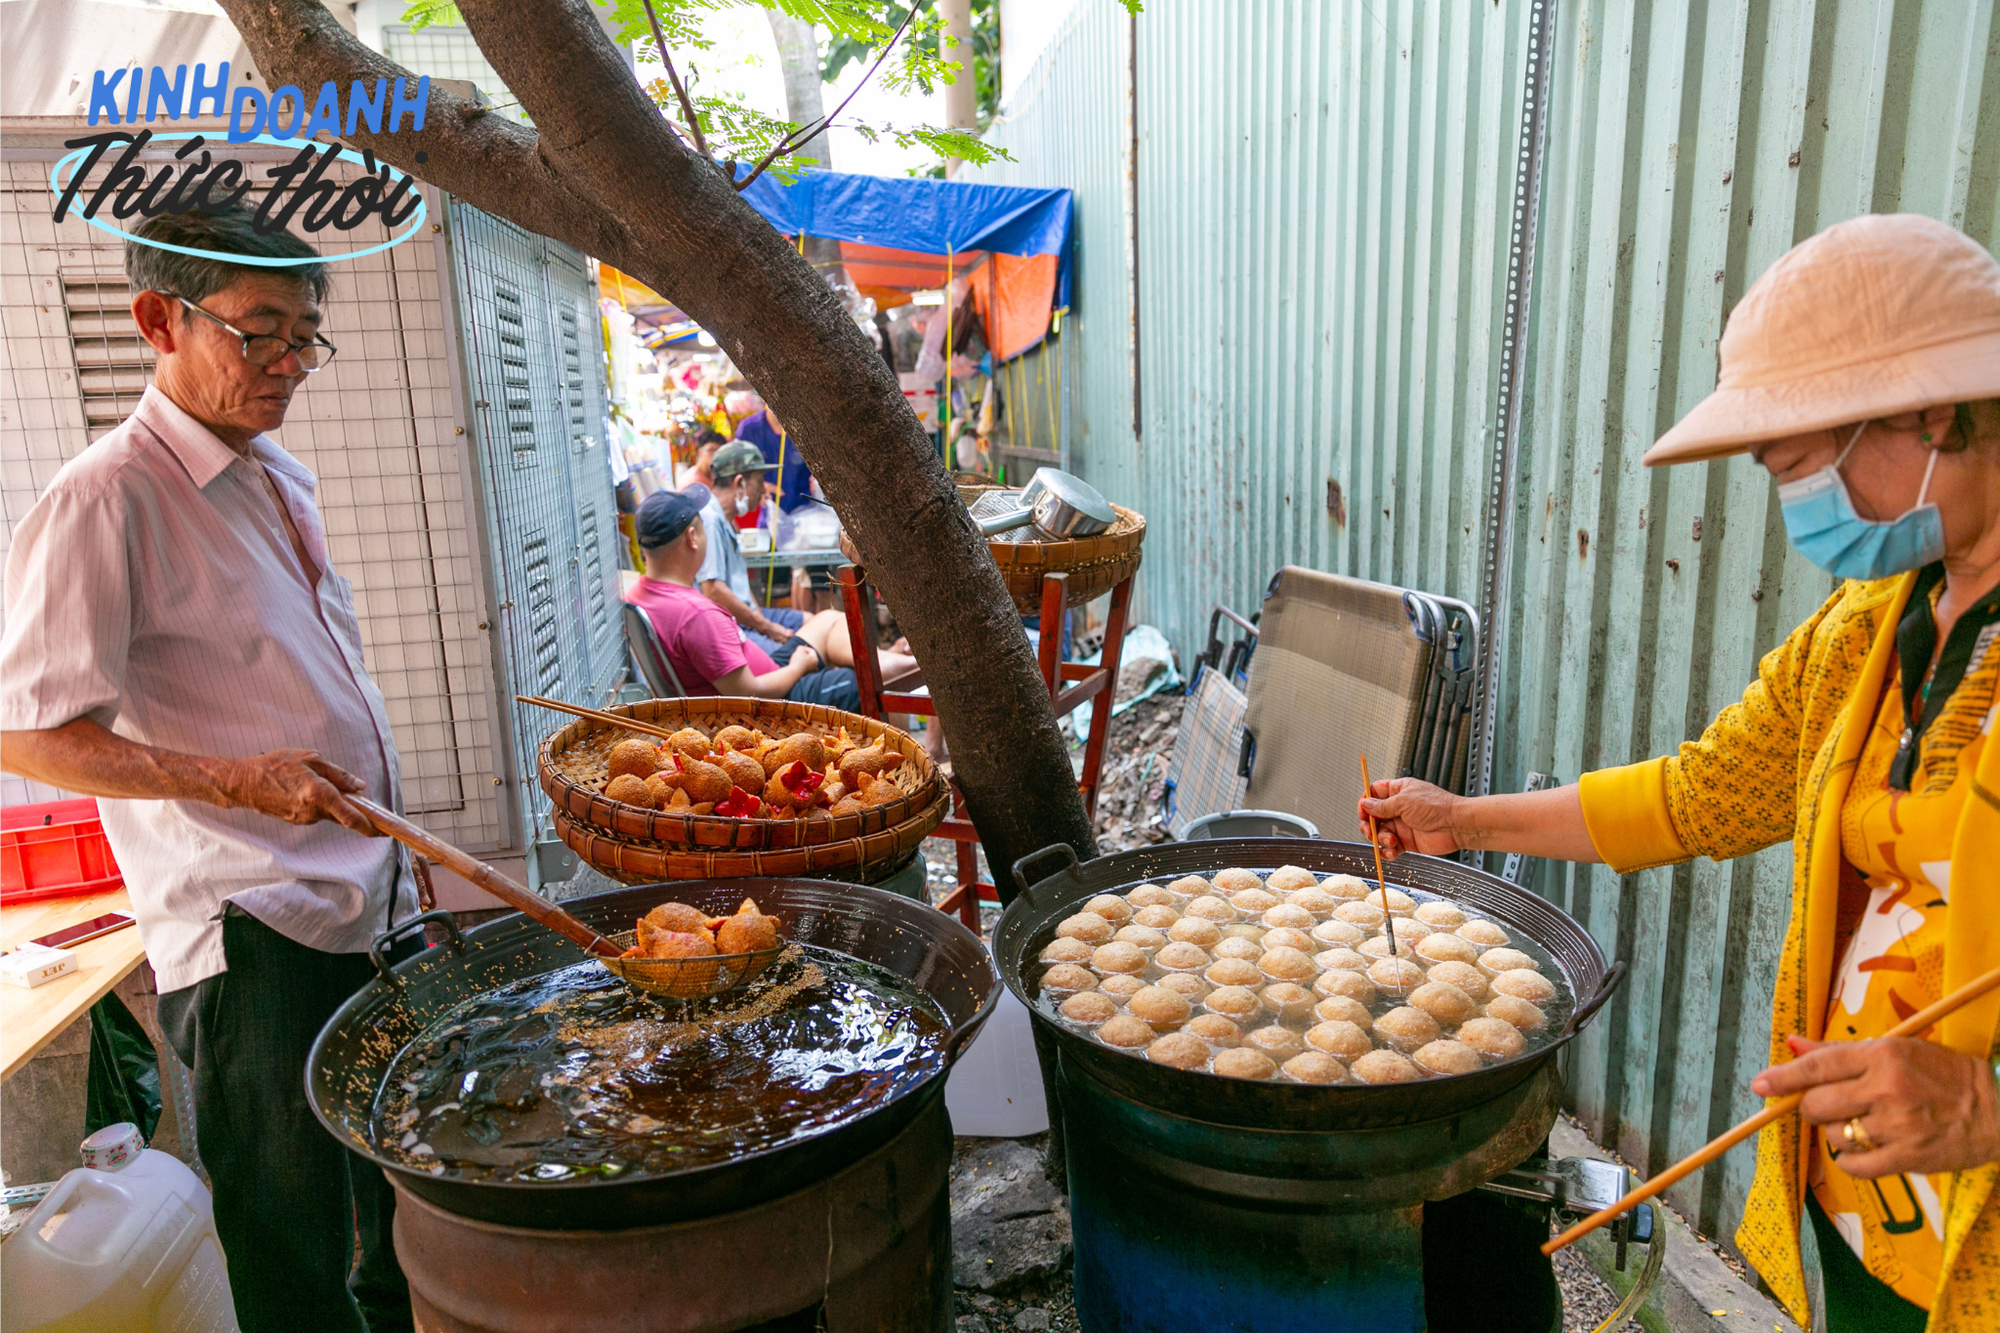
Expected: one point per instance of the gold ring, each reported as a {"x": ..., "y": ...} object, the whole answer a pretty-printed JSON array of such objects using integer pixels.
[{"x": 1857, "y": 1136}]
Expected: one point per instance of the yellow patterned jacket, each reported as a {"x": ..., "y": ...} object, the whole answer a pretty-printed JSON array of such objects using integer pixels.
[{"x": 1777, "y": 765}]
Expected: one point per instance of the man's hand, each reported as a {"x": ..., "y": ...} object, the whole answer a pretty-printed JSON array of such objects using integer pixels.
[
  {"x": 297, "y": 786},
  {"x": 1411, "y": 816},
  {"x": 804, "y": 659},
  {"x": 1926, "y": 1107}
]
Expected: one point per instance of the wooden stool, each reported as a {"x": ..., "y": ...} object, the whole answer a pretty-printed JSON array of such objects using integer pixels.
[{"x": 1070, "y": 684}]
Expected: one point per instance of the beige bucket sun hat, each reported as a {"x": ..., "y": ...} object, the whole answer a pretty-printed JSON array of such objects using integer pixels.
[{"x": 1875, "y": 316}]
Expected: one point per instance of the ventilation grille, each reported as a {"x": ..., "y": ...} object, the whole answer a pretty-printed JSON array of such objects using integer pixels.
[
  {"x": 113, "y": 363},
  {"x": 513, "y": 332},
  {"x": 593, "y": 572},
  {"x": 572, "y": 372},
  {"x": 544, "y": 643}
]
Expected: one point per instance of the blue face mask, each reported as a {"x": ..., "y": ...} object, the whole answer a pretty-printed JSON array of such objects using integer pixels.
[{"x": 1820, "y": 520}]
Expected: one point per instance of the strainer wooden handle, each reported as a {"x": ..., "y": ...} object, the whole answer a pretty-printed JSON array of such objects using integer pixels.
[{"x": 517, "y": 896}]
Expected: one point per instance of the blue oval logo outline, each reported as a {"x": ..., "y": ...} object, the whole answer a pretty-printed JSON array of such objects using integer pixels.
[{"x": 261, "y": 261}]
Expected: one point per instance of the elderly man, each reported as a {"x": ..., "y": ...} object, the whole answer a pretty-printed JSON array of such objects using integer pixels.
[
  {"x": 738, "y": 489},
  {"x": 176, "y": 642}
]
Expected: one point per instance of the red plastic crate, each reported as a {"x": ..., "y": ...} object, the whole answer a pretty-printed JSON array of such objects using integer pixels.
[{"x": 56, "y": 849}]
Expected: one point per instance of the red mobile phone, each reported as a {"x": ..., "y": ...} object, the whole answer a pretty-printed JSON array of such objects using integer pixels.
[{"x": 86, "y": 930}]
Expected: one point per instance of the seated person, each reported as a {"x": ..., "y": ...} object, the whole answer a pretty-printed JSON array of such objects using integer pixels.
[
  {"x": 710, "y": 652},
  {"x": 738, "y": 490},
  {"x": 764, "y": 430},
  {"x": 707, "y": 442}
]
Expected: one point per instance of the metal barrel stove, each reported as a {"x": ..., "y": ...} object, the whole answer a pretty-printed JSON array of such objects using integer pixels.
[
  {"x": 1201, "y": 1202},
  {"x": 848, "y": 1229}
]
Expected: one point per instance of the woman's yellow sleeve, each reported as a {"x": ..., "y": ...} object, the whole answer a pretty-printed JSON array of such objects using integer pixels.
[{"x": 1732, "y": 792}]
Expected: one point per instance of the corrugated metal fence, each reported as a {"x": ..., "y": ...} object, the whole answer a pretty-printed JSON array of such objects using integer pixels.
[{"x": 1321, "y": 199}]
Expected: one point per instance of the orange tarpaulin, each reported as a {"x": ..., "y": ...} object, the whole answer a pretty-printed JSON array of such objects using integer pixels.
[{"x": 1013, "y": 296}]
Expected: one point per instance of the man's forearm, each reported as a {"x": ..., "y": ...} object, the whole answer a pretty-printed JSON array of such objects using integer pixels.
[
  {"x": 84, "y": 757},
  {"x": 749, "y": 617}
]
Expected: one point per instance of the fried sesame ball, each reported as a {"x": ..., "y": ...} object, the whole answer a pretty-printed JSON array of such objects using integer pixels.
[
  {"x": 1062, "y": 949},
  {"x": 1359, "y": 914},
  {"x": 629, "y": 790},
  {"x": 1157, "y": 916},
  {"x": 1091, "y": 1007},
  {"x": 1190, "y": 886},
  {"x": 747, "y": 931},
  {"x": 1236, "y": 946},
  {"x": 1508, "y": 960},
  {"x": 1525, "y": 985},
  {"x": 1400, "y": 903},
  {"x": 1121, "y": 986},
  {"x": 1237, "y": 1003},
  {"x": 1244, "y": 1062},
  {"x": 1516, "y": 1012},
  {"x": 1195, "y": 930},
  {"x": 1180, "y": 956},
  {"x": 1254, "y": 902},
  {"x": 1141, "y": 937},
  {"x": 1446, "y": 1056},
  {"x": 1383, "y": 1067},
  {"x": 1211, "y": 908},
  {"x": 1117, "y": 957},
  {"x": 1234, "y": 972},
  {"x": 1288, "y": 914},
  {"x": 1244, "y": 930},
  {"x": 1086, "y": 926},
  {"x": 1151, "y": 895},
  {"x": 1462, "y": 975},
  {"x": 1338, "y": 932},
  {"x": 1068, "y": 977},
  {"x": 1340, "y": 1038},
  {"x": 1163, "y": 1008},
  {"x": 1314, "y": 1067},
  {"x": 1286, "y": 878},
  {"x": 1128, "y": 1032},
  {"x": 1344, "y": 1009},
  {"x": 1180, "y": 1050},
  {"x": 1443, "y": 1001},
  {"x": 1288, "y": 1001},
  {"x": 1410, "y": 932},
  {"x": 693, "y": 742},
  {"x": 685, "y": 917},
  {"x": 1215, "y": 1029},
  {"x": 1377, "y": 946},
  {"x": 1284, "y": 937},
  {"x": 1353, "y": 985},
  {"x": 1287, "y": 965},
  {"x": 1440, "y": 916},
  {"x": 1315, "y": 900},
  {"x": 1111, "y": 907},
  {"x": 1345, "y": 887},
  {"x": 1280, "y": 1043},
  {"x": 1398, "y": 976},
  {"x": 1236, "y": 879},
  {"x": 1406, "y": 1028},
  {"x": 634, "y": 758},
  {"x": 1484, "y": 934},
  {"x": 1444, "y": 947},
  {"x": 1340, "y": 960},
  {"x": 1491, "y": 1036},
  {"x": 1184, "y": 983}
]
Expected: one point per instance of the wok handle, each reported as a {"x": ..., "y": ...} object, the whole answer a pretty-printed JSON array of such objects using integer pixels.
[
  {"x": 517, "y": 896},
  {"x": 1596, "y": 1002},
  {"x": 1027, "y": 877},
  {"x": 381, "y": 942}
]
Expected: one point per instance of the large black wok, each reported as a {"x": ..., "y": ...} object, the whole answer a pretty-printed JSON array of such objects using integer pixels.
[
  {"x": 1053, "y": 886},
  {"x": 360, "y": 1043}
]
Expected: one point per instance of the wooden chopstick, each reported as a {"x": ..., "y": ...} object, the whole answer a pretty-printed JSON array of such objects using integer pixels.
[
  {"x": 1909, "y": 1027},
  {"x": 1375, "y": 841},
  {"x": 596, "y": 715}
]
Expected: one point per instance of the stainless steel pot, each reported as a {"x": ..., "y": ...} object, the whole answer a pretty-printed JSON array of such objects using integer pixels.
[{"x": 1060, "y": 505}]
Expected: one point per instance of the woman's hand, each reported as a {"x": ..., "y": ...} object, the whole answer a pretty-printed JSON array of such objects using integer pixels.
[
  {"x": 1927, "y": 1108},
  {"x": 1410, "y": 815}
]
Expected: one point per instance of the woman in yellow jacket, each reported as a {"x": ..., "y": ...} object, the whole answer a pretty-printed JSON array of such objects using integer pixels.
[{"x": 1862, "y": 371}]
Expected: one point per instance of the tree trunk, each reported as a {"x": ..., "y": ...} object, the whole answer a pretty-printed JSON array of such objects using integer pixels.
[
  {"x": 961, "y": 99},
  {"x": 798, "y": 58},
  {"x": 603, "y": 171}
]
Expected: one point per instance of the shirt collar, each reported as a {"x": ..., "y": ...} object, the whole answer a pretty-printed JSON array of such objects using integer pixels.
[{"x": 204, "y": 455}]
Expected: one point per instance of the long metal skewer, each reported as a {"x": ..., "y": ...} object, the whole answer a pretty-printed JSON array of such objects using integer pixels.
[
  {"x": 1909, "y": 1027},
  {"x": 597, "y": 715},
  {"x": 1375, "y": 841}
]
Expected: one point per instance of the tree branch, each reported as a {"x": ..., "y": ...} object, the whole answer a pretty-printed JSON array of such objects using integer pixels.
[
  {"x": 687, "y": 106},
  {"x": 786, "y": 145}
]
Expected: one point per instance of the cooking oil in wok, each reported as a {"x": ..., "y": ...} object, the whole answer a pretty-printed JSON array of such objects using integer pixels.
[{"x": 573, "y": 1075}]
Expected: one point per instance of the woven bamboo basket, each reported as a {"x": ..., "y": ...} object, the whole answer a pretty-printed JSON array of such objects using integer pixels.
[
  {"x": 1095, "y": 565},
  {"x": 571, "y": 766},
  {"x": 865, "y": 859}
]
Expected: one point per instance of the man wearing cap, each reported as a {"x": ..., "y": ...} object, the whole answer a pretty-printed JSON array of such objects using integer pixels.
[
  {"x": 739, "y": 471},
  {"x": 1862, "y": 371}
]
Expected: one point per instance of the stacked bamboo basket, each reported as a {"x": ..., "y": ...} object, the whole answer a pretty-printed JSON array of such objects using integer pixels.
[
  {"x": 1095, "y": 565},
  {"x": 639, "y": 846}
]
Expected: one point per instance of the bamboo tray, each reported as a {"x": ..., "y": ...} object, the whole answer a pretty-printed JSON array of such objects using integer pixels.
[
  {"x": 1095, "y": 565},
  {"x": 571, "y": 768}
]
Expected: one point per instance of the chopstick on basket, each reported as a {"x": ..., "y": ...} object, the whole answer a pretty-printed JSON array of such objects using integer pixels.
[
  {"x": 1375, "y": 841},
  {"x": 516, "y": 896},
  {"x": 596, "y": 715},
  {"x": 1909, "y": 1027}
]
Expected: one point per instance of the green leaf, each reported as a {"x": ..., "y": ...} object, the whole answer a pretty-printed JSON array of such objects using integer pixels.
[{"x": 422, "y": 14}]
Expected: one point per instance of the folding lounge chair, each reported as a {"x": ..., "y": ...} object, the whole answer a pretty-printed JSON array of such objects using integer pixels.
[{"x": 650, "y": 656}]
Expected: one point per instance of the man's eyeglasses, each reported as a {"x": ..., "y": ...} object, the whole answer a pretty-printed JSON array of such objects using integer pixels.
[{"x": 268, "y": 349}]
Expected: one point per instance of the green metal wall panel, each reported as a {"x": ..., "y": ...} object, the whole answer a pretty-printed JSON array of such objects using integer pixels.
[{"x": 1322, "y": 200}]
